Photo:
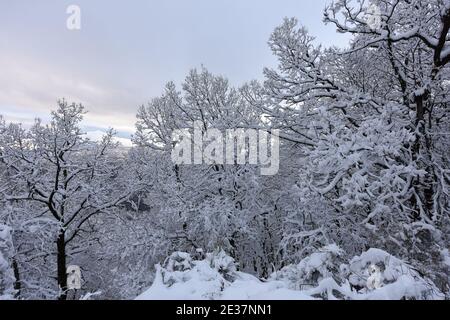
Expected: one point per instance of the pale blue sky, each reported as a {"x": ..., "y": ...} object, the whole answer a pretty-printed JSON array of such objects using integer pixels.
[{"x": 127, "y": 50}]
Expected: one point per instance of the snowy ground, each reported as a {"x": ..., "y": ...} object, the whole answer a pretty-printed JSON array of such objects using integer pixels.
[
  {"x": 315, "y": 277},
  {"x": 245, "y": 287}
]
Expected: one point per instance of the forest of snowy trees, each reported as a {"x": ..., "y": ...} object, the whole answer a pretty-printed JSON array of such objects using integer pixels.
[{"x": 363, "y": 174}]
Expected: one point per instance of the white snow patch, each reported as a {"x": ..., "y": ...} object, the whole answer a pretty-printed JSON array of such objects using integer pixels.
[{"x": 216, "y": 278}]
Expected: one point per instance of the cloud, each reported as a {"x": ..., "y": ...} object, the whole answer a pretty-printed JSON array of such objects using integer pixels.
[
  {"x": 30, "y": 89},
  {"x": 124, "y": 54}
]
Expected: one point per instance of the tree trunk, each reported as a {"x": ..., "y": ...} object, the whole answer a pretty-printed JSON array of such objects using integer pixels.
[
  {"x": 61, "y": 262},
  {"x": 422, "y": 153},
  {"x": 17, "y": 283}
]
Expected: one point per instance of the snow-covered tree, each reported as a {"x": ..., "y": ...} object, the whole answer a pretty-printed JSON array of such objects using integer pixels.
[
  {"x": 371, "y": 123},
  {"x": 205, "y": 206},
  {"x": 6, "y": 271},
  {"x": 65, "y": 176}
]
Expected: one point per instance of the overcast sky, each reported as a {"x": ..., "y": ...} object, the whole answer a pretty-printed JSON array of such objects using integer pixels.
[{"x": 126, "y": 51}]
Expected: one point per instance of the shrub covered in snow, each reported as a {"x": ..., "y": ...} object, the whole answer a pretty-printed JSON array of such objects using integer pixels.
[
  {"x": 398, "y": 279},
  {"x": 6, "y": 273},
  {"x": 312, "y": 269},
  {"x": 181, "y": 277},
  {"x": 178, "y": 261},
  {"x": 322, "y": 275},
  {"x": 223, "y": 263}
]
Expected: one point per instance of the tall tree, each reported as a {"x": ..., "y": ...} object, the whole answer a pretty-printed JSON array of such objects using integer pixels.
[{"x": 66, "y": 176}]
